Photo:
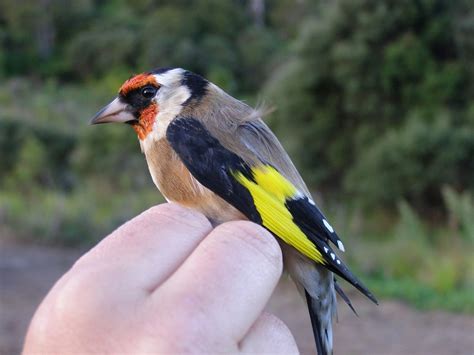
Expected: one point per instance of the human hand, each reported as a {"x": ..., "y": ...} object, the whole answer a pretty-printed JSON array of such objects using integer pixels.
[{"x": 166, "y": 282}]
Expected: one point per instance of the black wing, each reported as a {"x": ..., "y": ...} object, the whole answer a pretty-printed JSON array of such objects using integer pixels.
[{"x": 215, "y": 167}]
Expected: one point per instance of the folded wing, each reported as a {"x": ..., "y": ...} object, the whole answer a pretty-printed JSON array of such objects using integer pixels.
[{"x": 261, "y": 193}]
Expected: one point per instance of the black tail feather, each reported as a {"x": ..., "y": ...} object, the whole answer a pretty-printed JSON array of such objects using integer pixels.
[
  {"x": 316, "y": 325},
  {"x": 337, "y": 266},
  {"x": 344, "y": 297}
]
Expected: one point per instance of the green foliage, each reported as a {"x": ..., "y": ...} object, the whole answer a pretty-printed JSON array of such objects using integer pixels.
[
  {"x": 30, "y": 167},
  {"x": 86, "y": 40},
  {"x": 377, "y": 95},
  {"x": 88, "y": 47},
  {"x": 33, "y": 155},
  {"x": 61, "y": 180},
  {"x": 415, "y": 161},
  {"x": 430, "y": 267},
  {"x": 460, "y": 207},
  {"x": 422, "y": 296},
  {"x": 82, "y": 217},
  {"x": 373, "y": 99},
  {"x": 33, "y": 31}
]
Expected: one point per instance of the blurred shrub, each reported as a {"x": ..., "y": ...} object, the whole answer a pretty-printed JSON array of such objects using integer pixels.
[
  {"x": 61, "y": 180},
  {"x": 415, "y": 161},
  {"x": 34, "y": 155},
  {"x": 81, "y": 217},
  {"x": 461, "y": 211},
  {"x": 377, "y": 94},
  {"x": 87, "y": 40},
  {"x": 30, "y": 168},
  {"x": 32, "y": 31},
  {"x": 101, "y": 48},
  {"x": 373, "y": 98},
  {"x": 432, "y": 267}
]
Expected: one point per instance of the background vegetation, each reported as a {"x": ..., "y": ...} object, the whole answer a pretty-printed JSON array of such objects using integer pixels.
[{"x": 374, "y": 101}]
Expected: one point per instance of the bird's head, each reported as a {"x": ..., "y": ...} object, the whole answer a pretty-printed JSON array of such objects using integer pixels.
[{"x": 149, "y": 101}]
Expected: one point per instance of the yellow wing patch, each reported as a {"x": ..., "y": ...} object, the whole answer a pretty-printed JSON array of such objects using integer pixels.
[{"x": 269, "y": 192}]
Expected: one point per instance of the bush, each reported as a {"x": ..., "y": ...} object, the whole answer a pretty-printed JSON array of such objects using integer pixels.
[
  {"x": 80, "y": 217},
  {"x": 428, "y": 266},
  {"x": 34, "y": 154},
  {"x": 377, "y": 94},
  {"x": 415, "y": 161},
  {"x": 460, "y": 207}
]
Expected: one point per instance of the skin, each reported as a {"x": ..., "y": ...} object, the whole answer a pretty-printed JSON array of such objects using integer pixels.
[{"x": 166, "y": 282}]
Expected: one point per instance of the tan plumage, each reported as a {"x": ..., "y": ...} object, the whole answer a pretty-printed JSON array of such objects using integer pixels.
[{"x": 176, "y": 183}]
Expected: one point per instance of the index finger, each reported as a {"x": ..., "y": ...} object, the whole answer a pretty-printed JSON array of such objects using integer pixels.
[
  {"x": 225, "y": 283},
  {"x": 148, "y": 248}
]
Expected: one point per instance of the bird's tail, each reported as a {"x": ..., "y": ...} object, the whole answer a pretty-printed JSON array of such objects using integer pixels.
[{"x": 321, "y": 321}]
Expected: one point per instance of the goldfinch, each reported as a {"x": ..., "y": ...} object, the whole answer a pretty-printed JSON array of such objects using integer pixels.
[{"x": 211, "y": 152}]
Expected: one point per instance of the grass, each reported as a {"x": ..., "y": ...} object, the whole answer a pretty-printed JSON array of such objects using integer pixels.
[
  {"x": 423, "y": 296},
  {"x": 430, "y": 267},
  {"x": 81, "y": 217}
]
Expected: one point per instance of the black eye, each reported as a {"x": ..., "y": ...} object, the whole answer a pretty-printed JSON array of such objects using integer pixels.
[{"x": 149, "y": 92}]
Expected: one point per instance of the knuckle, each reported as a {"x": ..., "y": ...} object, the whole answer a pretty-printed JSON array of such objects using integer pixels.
[
  {"x": 81, "y": 286},
  {"x": 275, "y": 323},
  {"x": 178, "y": 327},
  {"x": 256, "y": 239},
  {"x": 177, "y": 213},
  {"x": 276, "y": 329}
]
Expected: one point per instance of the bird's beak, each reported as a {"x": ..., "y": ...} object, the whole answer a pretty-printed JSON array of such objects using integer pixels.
[{"x": 116, "y": 111}]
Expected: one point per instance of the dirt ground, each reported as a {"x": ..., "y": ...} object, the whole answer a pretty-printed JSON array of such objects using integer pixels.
[{"x": 27, "y": 272}]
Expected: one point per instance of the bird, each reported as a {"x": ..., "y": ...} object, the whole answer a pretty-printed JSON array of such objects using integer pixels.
[{"x": 213, "y": 153}]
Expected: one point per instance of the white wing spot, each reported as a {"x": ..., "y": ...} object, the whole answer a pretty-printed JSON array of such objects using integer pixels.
[
  {"x": 311, "y": 202},
  {"x": 328, "y": 226},
  {"x": 340, "y": 246},
  {"x": 338, "y": 262},
  {"x": 299, "y": 196},
  {"x": 326, "y": 249},
  {"x": 333, "y": 256}
]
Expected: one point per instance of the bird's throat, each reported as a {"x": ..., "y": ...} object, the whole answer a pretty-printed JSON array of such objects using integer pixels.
[{"x": 144, "y": 125}]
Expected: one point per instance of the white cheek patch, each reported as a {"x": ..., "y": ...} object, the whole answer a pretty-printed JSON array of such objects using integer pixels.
[
  {"x": 169, "y": 100},
  {"x": 170, "y": 103}
]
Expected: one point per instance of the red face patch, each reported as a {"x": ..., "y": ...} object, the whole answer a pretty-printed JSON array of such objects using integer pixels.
[
  {"x": 145, "y": 123},
  {"x": 147, "y": 115},
  {"x": 137, "y": 82}
]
